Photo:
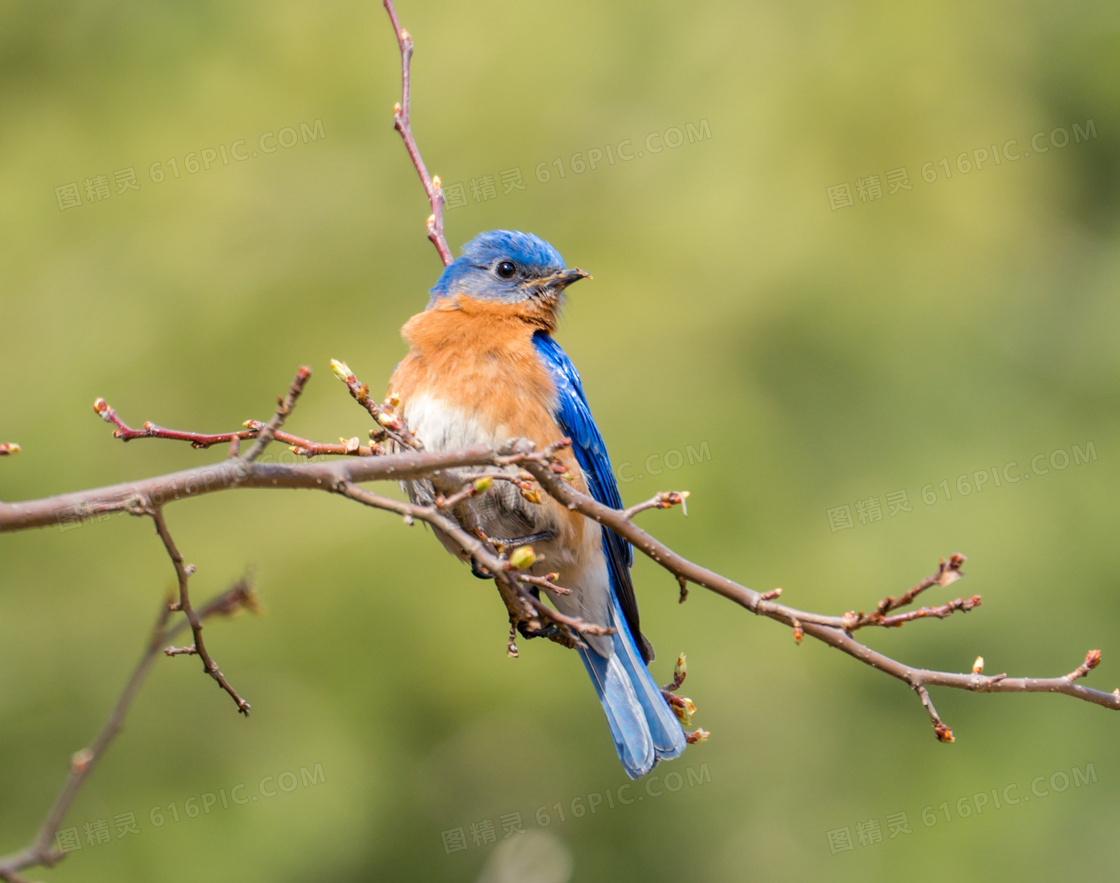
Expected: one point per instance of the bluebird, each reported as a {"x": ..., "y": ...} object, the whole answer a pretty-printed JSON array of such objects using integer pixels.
[{"x": 483, "y": 367}]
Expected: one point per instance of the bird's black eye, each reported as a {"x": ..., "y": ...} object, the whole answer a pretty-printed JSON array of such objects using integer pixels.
[{"x": 506, "y": 269}]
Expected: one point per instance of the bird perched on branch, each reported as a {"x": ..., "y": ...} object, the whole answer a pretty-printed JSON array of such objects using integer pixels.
[{"x": 483, "y": 368}]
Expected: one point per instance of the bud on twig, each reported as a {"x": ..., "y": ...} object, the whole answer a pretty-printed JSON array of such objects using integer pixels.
[{"x": 522, "y": 558}]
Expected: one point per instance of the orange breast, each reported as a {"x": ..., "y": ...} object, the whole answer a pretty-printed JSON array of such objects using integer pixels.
[
  {"x": 479, "y": 357},
  {"x": 473, "y": 375}
]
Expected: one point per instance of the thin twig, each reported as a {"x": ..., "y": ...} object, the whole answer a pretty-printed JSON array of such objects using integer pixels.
[
  {"x": 283, "y": 409},
  {"x": 43, "y": 850},
  {"x": 183, "y": 572},
  {"x": 150, "y": 430},
  {"x": 943, "y": 732},
  {"x": 402, "y": 122},
  {"x": 384, "y": 414}
]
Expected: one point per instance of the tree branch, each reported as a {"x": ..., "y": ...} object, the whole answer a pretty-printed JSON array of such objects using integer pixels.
[
  {"x": 402, "y": 122},
  {"x": 830, "y": 630},
  {"x": 527, "y": 613},
  {"x": 43, "y": 851},
  {"x": 183, "y": 573}
]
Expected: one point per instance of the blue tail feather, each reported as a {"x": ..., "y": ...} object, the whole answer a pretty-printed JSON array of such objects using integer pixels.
[{"x": 644, "y": 728}]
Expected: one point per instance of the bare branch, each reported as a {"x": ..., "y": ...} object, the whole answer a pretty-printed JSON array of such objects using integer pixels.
[
  {"x": 43, "y": 851},
  {"x": 536, "y": 472},
  {"x": 402, "y": 122},
  {"x": 383, "y": 414},
  {"x": 197, "y": 439},
  {"x": 943, "y": 732},
  {"x": 833, "y": 631},
  {"x": 283, "y": 409},
  {"x": 183, "y": 573}
]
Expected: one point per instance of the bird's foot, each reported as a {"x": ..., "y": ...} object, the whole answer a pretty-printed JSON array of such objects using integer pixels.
[
  {"x": 550, "y": 631},
  {"x": 514, "y": 542}
]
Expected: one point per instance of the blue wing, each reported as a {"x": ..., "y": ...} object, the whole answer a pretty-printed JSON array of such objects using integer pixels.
[{"x": 574, "y": 416}]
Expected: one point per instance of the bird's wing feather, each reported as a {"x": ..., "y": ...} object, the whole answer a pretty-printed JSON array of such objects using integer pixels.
[{"x": 574, "y": 418}]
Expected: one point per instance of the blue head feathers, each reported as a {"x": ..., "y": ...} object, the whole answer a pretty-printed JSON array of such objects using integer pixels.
[{"x": 508, "y": 267}]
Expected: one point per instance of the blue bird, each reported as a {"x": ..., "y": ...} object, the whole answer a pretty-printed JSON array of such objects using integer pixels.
[{"x": 483, "y": 367}]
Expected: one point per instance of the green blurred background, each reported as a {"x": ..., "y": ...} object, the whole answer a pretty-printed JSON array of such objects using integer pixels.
[{"x": 773, "y": 350}]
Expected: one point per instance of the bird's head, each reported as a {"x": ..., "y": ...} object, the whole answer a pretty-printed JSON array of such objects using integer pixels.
[{"x": 505, "y": 267}]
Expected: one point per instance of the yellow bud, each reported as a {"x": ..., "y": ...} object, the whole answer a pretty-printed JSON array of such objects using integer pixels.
[
  {"x": 978, "y": 665},
  {"x": 522, "y": 557},
  {"x": 483, "y": 484},
  {"x": 531, "y": 494},
  {"x": 341, "y": 370},
  {"x": 684, "y": 709}
]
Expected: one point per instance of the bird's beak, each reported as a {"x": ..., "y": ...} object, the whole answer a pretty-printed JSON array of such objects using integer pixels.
[{"x": 565, "y": 278}]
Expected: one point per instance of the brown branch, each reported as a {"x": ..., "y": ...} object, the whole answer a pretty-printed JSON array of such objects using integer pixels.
[
  {"x": 283, "y": 409},
  {"x": 451, "y": 515},
  {"x": 943, "y": 732},
  {"x": 383, "y": 414},
  {"x": 402, "y": 122},
  {"x": 939, "y": 612},
  {"x": 150, "y": 430},
  {"x": 303, "y": 447},
  {"x": 235, "y": 473},
  {"x": 832, "y": 631},
  {"x": 948, "y": 572},
  {"x": 1092, "y": 660},
  {"x": 43, "y": 850},
  {"x": 183, "y": 573},
  {"x": 663, "y": 500},
  {"x": 263, "y": 433},
  {"x": 523, "y": 607}
]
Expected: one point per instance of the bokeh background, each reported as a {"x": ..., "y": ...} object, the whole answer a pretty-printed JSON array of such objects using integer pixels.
[{"x": 780, "y": 346}]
